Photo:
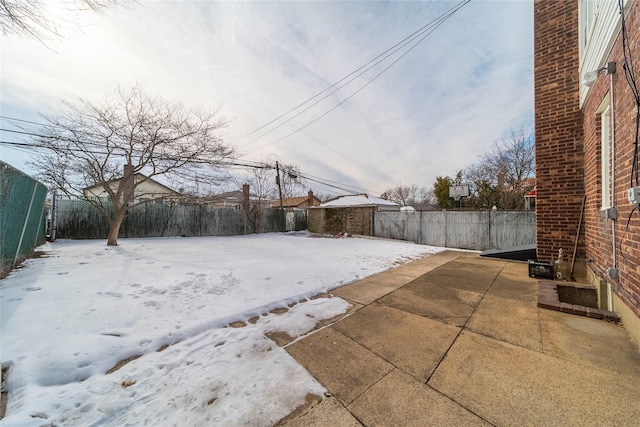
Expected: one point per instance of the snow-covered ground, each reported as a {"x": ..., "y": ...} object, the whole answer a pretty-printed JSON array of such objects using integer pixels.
[{"x": 71, "y": 316}]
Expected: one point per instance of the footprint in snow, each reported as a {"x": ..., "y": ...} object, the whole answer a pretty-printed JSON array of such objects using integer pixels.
[
  {"x": 154, "y": 304},
  {"x": 111, "y": 294}
]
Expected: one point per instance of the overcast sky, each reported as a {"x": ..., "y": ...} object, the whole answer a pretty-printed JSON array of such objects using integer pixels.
[{"x": 434, "y": 112}]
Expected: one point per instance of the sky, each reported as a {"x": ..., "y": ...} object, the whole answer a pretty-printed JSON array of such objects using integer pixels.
[
  {"x": 70, "y": 316},
  {"x": 433, "y": 112}
]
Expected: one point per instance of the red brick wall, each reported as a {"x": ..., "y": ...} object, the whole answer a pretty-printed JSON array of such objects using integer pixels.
[
  {"x": 599, "y": 237},
  {"x": 558, "y": 128}
]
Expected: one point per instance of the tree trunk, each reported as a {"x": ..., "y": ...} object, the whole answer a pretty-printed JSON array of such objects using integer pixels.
[{"x": 114, "y": 228}]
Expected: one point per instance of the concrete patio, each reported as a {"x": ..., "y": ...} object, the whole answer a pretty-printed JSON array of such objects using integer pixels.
[{"x": 455, "y": 339}]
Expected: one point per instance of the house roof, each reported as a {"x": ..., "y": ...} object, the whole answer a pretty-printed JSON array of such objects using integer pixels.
[
  {"x": 137, "y": 177},
  {"x": 294, "y": 202},
  {"x": 357, "y": 200},
  {"x": 236, "y": 195}
]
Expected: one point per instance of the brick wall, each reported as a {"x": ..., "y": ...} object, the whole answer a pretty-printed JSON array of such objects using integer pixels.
[
  {"x": 558, "y": 128},
  {"x": 599, "y": 236}
]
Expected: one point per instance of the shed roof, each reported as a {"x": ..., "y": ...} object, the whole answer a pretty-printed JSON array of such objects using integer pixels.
[{"x": 357, "y": 200}]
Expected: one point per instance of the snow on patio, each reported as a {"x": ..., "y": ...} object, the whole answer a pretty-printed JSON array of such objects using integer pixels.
[{"x": 70, "y": 317}]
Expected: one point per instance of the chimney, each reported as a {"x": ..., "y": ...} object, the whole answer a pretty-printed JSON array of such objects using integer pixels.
[
  {"x": 310, "y": 195},
  {"x": 245, "y": 196},
  {"x": 128, "y": 188}
]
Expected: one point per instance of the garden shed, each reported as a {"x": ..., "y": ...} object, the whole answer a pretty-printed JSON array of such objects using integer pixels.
[{"x": 351, "y": 214}]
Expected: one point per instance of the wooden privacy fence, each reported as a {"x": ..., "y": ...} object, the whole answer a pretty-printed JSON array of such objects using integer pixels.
[
  {"x": 78, "y": 219},
  {"x": 477, "y": 230}
]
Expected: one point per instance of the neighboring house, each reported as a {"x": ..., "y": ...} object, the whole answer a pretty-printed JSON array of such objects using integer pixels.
[
  {"x": 230, "y": 199},
  {"x": 303, "y": 202},
  {"x": 146, "y": 189},
  {"x": 347, "y": 214},
  {"x": 586, "y": 119}
]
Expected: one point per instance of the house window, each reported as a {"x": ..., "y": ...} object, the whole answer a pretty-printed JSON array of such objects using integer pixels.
[
  {"x": 587, "y": 20},
  {"x": 605, "y": 152}
]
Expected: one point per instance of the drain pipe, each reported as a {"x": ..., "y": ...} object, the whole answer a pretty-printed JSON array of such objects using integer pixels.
[{"x": 611, "y": 68}]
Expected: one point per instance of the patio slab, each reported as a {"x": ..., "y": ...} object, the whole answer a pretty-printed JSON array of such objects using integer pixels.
[
  {"x": 511, "y": 385},
  {"x": 465, "y": 343},
  {"x": 514, "y": 282},
  {"x": 413, "y": 343},
  {"x": 329, "y": 412},
  {"x": 343, "y": 366},
  {"x": 508, "y": 320},
  {"x": 448, "y": 304},
  {"x": 400, "y": 400},
  {"x": 589, "y": 342}
]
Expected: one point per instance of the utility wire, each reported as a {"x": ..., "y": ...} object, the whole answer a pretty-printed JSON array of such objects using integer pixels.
[
  {"x": 329, "y": 182},
  {"x": 428, "y": 29}
]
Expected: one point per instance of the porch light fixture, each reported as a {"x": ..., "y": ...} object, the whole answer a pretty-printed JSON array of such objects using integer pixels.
[{"x": 590, "y": 77}]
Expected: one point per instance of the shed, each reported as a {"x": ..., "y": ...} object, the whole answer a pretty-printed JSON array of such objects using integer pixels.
[{"x": 347, "y": 214}]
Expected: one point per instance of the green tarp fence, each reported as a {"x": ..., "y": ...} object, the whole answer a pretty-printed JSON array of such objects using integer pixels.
[{"x": 22, "y": 203}]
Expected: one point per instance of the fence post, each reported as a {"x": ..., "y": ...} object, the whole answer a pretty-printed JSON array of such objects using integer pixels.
[
  {"x": 26, "y": 220},
  {"x": 54, "y": 214},
  {"x": 492, "y": 243}
]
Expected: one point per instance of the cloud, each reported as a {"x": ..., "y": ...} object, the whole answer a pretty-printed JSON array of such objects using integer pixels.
[{"x": 431, "y": 114}]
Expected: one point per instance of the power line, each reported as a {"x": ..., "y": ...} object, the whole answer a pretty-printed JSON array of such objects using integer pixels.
[
  {"x": 420, "y": 34},
  {"x": 331, "y": 182},
  {"x": 14, "y": 119}
]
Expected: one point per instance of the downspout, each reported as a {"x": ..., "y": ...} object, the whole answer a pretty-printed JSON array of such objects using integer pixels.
[{"x": 613, "y": 166}]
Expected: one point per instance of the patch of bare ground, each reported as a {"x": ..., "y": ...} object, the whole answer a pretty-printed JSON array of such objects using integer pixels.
[
  {"x": 311, "y": 400},
  {"x": 279, "y": 337},
  {"x": 123, "y": 362},
  {"x": 3, "y": 392},
  {"x": 238, "y": 324},
  {"x": 18, "y": 264}
]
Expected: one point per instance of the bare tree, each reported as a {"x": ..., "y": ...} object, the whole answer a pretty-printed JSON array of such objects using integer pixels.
[
  {"x": 406, "y": 195},
  {"x": 90, "y": 143},
  {"x": 292, "y": 183},
  {"x": 32, "y": 18},
  {"x": 262, "y": 189},
  {"x": 508, "y": 165}
]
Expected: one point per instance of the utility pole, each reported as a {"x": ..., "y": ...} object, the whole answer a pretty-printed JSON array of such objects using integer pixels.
[
  {"x": 284, "y": 220},
  {"x": 278, "y": 182}
]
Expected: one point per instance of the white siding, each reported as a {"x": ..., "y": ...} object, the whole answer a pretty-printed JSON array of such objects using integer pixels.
[{"x": 599, "y": 25}]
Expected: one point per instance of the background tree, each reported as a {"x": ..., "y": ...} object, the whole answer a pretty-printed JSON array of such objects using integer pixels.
[
  {"x": 441, "y": 192},
  {"x": 483, "y": 187},
  {"x": 293, "y": 185},
  {"x": 90, "y": 143},
  {"x": 33, "y": 18},
  {"x": 500, "y": 177},
  {"x": 263, "y": 190},
  {"x": 407, "y": 195},
  {"x": 505, "y": 172}
]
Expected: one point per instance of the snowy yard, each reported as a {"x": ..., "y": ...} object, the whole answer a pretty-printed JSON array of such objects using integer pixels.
[{"x": 70, "y": 317}]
